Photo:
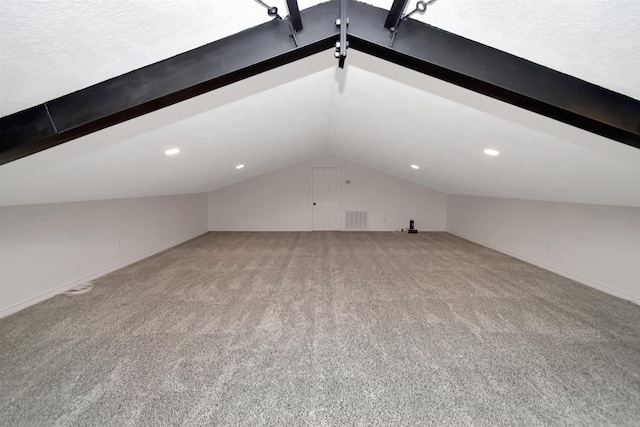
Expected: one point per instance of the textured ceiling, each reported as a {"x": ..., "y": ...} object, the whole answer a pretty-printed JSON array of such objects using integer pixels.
[
  {"x": 373, "y": 113},
  {"x": 49, "y": 49},
  {"x": 594, "y": 40}
]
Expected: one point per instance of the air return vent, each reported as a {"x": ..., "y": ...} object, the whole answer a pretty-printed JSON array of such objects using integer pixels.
[{"x": 356, "y": 220}]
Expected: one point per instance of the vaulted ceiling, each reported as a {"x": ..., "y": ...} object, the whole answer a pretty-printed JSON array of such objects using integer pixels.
[{"x": 372, "y": 112}]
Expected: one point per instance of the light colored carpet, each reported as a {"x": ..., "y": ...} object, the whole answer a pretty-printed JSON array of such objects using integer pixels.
[{"x": 324, "y": 328}]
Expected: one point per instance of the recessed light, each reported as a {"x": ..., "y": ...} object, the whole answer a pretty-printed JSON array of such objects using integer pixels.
[
  {"x": 239, "y": 166},
  {"x": 172, "y": 151},
  {"x": 415, "y": 166},
  {"x": 491, "y": 152}
]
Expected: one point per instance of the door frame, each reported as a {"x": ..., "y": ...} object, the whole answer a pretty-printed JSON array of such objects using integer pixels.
[{"x": 311, "y": 193}]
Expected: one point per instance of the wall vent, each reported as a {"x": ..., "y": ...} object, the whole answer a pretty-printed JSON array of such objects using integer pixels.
[{"x": 356, "y": 220}]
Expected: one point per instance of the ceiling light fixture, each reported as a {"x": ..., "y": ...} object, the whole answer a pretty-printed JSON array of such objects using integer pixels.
[
  {"x": 415, "y": 167},
  {"x": 172, "y": 151},
  {"x": 491, "y": 152},
  {"x": 239, "y": 166}
]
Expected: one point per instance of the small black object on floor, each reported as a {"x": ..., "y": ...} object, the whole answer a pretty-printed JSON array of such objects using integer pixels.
[{"x": 411, "y": 228}]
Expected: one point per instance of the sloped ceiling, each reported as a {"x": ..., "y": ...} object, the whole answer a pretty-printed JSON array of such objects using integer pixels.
[{"x": 373, "y": 113}]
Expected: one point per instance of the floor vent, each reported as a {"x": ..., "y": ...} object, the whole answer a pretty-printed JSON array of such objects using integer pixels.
[{"x": 356, "y": 220}]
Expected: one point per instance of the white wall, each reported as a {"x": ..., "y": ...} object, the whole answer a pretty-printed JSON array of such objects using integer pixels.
[
  {"x": 281, "y": 200},
  {"x": 46, "y": 249},
  {"x": 594, "y": 244}
]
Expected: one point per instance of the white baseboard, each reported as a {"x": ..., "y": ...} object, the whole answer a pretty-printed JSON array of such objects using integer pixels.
[
  {"x": 256, "y": 230},
  {"x": 264, "y": 230},
  {"x": 31, "y": 301},
  {"x": 559, "y": 271}
]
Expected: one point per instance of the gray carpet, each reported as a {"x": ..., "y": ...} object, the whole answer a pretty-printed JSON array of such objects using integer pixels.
[{"x": 324, "y": 328}]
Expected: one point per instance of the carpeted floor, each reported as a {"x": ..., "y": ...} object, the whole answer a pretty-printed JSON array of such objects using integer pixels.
[{"x": 324, "y": 328}]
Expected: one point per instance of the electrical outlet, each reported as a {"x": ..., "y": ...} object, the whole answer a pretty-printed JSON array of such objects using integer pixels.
[
  {"x": 117, "y": 246},
  {"x": 550, "y": 247}
]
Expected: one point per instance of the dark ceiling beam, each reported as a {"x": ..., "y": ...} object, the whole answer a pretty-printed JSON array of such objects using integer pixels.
[
  {"x": 343, "y": 24},
  {"x": 497, "y": 74},
  {"x": 416, "y": 46},
  {"x": 164, "y": 83},
  {"x": 395, "y": 13},
  {"x": 294, "y": 15}
]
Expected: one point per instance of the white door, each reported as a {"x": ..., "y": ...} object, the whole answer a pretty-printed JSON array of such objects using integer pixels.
[{"x": 326, "y": 198}]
